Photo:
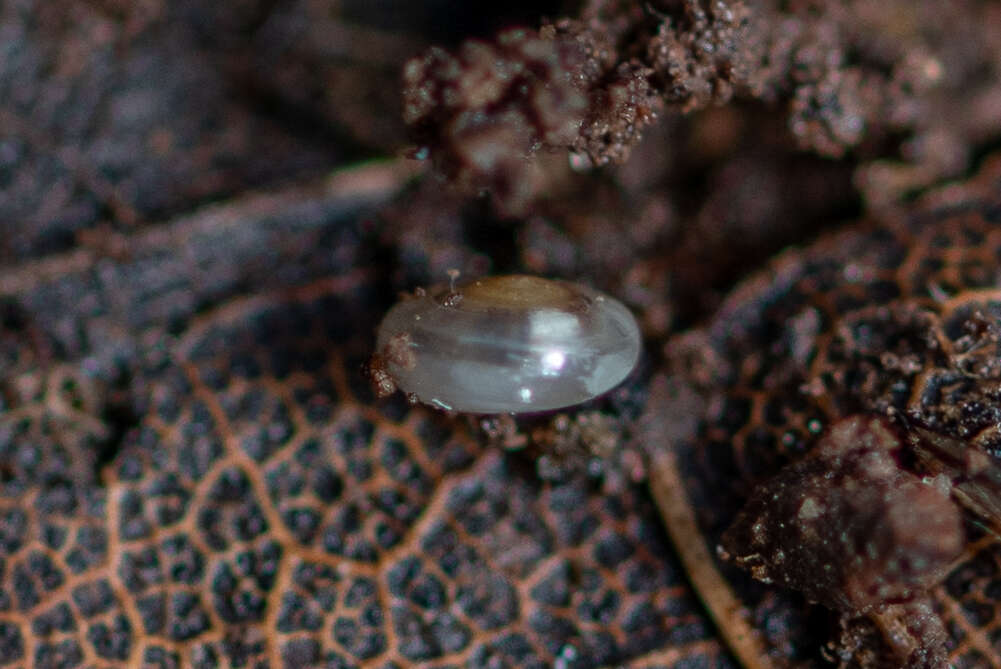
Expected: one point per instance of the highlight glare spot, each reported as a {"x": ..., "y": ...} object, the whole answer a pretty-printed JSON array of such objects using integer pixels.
[
  {"x": 508, "y": 344},
  {"x": 553, "y": 361}
]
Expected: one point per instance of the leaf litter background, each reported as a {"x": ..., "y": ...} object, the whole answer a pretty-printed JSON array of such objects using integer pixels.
[{"x": 195, "y": 248}]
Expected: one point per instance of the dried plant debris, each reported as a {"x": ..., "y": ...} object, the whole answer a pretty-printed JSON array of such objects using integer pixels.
[
  {"x": 851, "y": 394},
  {"x": 910, "y": 635},
  {"x": 589, "y": 442},
  {"x": 875, "y": 77},
  {"x": 846, "y": 525}
]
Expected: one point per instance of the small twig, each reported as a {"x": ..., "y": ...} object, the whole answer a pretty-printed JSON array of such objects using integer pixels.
[{"x": 726, "y": 610}]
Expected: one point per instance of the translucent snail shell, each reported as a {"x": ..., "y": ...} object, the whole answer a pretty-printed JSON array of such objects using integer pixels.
[{"x": 508, "y": 344}]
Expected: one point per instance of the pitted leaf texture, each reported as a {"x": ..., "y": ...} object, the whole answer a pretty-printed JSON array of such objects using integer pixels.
[{"x": 261, "y": 514}]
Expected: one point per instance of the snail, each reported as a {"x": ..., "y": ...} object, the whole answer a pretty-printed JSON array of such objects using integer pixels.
[{"x": 505, "y": 344}]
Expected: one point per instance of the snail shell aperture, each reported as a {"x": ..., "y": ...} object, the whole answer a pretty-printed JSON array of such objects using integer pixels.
[{"x": 508, "y": 344}]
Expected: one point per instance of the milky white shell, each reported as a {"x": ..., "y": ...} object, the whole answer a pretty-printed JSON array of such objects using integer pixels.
[{"x": 509, "y": 344}]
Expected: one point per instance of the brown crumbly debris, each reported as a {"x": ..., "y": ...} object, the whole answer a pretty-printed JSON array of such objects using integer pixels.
[
  {"x": 502, "y": 431},
  {"x": 846, "y": 525},
  {"x": 915, "y": 634},
  {"x": 451, "y": 299},
  {"x": 568, "y": 444},
  {"x": 399, "y": 351},
  {"x": 376, "y": 372},
  {"x": 484, "y": 109},
  {"x": 849, "y": 76},
  {"x": 577, "y": 439},
  {"x": 900, "y": 635}
]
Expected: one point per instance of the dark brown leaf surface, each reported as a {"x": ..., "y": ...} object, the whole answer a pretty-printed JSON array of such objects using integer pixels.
[
  {"x": 194, "y": 256},
  {"x": 260, "y": 509}
]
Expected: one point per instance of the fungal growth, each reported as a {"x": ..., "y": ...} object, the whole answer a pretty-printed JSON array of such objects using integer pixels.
[{"x": 505, "y": 344}]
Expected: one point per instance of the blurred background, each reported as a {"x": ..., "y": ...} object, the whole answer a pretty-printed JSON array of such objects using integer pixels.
[{"x": 116, "y": 116}]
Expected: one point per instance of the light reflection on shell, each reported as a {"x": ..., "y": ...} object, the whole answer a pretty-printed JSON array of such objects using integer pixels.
[{"x": 508, "y": 344}]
